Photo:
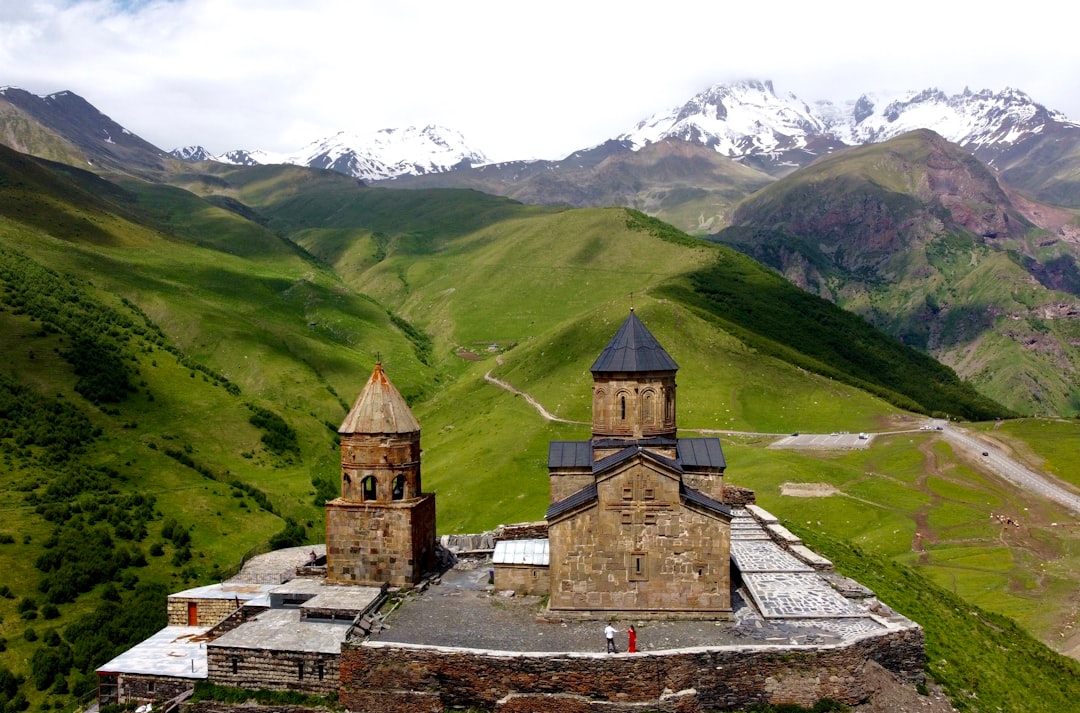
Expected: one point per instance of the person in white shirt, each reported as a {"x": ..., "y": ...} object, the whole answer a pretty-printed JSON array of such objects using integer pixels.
[{"x": 609, "y": 634}]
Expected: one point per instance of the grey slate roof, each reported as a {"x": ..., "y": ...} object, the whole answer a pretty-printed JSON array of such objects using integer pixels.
[
  {"x": 569, "y": 454},
  {"x": 704, "y": 501},
  {"x": 633, "y": 349},
  {"x": 692, "y": 453},
  {"x": 629, "y": 452},
  {"x": 701, "y": 453},
  {"x": 585, "y": 495}
]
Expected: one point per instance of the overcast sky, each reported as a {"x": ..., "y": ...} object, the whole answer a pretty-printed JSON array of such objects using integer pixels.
[{"x": 518, "y": 78}]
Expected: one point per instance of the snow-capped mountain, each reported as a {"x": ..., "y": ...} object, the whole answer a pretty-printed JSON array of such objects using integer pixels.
[
  {"x": 749, "y": 118},
  {"x": 191, "y": 153},
  {"x": 736, "y": 119},
  {"x": 386, "y": 154},
  {"x": 972, "y": 119}
]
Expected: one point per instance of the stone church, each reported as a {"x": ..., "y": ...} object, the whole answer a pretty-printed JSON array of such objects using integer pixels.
[{"x": 637, "y": 523}]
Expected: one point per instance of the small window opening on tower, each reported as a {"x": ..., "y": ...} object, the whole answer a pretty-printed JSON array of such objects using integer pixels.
[
  {"x": 639, "y": 570},
  {"x": 368, "y": 490},
  {"x": 399, "y": 488}
]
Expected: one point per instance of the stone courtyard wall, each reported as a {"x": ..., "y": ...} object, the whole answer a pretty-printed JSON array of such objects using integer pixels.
[
  {"x": 143, "y": 688},
  {"x": 210, "y": 612},
  {"x": 273, "y": 670},
  {"x": 394, "y": 678}
]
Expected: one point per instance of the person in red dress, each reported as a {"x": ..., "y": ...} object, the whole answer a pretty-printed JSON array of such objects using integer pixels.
[{"x": 631, "y": 635}]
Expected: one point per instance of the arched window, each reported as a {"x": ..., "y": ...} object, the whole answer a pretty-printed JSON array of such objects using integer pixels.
[
  {"x": 648, "y": 411},
  {"x": 398, "y": 492},
  {"x": 368, "y": 488},
  {"x": 622, "y": 407}
]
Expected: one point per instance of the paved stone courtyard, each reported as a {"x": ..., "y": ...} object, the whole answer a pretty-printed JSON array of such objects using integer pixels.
[{"x": 778, "y": 599}]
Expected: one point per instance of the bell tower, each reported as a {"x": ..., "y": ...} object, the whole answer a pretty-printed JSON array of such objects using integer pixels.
[
  {"x": 633, "y": 392},
  {"x": 382, "y": 528}
]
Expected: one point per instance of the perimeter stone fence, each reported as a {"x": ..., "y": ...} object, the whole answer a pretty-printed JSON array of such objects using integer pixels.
[
  {"x": 484, "y": 542},
  {"x": 396, "y": 678}
]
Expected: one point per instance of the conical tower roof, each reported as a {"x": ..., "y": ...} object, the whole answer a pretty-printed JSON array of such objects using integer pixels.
[
  {"x": 633, "y": 349},
  {"x": 379, "y": 409}
]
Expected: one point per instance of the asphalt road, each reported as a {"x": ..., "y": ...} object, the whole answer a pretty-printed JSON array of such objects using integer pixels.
[{"x": 1009, "y": 469}]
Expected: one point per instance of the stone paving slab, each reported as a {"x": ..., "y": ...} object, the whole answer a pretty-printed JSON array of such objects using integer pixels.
[
  {"x": 810, "y": 557},
  {"x": 278, "y": 566},
  {"x": 765, "y": 556},
  {"x": 750, "y": 536},
  {"x": 784, "y": 595}
]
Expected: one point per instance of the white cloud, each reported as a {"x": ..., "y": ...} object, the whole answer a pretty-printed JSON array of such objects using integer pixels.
[{"x": 519, "y": 80}]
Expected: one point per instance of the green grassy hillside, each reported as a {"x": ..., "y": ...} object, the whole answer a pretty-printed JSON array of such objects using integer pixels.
[{"x": 170, "y": 382}]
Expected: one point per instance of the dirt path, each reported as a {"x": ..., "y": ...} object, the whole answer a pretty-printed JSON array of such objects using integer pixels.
[{"x": 530, "y": 400}]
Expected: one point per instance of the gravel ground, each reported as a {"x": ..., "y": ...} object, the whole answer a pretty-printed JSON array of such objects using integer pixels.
[{"x": 461, "y": 611}]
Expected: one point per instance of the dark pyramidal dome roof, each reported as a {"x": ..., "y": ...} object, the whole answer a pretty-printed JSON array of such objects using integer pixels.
[{"x": 633, "y": 348}]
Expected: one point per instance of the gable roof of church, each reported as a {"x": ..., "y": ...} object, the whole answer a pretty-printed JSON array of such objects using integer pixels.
[
  {"x": 608, "y": 462},
  {"x": 588, "y": 496},
  {"x": 379, "y": 409},
  {"x": 693, "y": 453},
  {"x": 633, "y": 349}
]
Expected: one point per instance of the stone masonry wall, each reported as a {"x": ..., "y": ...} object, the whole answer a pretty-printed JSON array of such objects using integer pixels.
[
  {"x": 640, "y": 549},
  {"x": 523, "y": 579},
  {"x": 210, "y": 611},
  {"x": 273, "y": 670},
  {"x": 139, "y": 688},
  {"x": 373, "y": 543},
  {"x": 381, "y": 678}
]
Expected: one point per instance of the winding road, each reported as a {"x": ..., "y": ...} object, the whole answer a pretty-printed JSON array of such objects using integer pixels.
[
  {"x": 1011, "y": 470},
  {"x": 979, "y": 450}
]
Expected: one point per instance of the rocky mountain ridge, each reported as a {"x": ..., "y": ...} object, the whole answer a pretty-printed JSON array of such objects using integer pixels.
[
  {"x": 741, "y": 120},
  {"x": 749, "y": 119},
  {"x": 387, "y": 153}
]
